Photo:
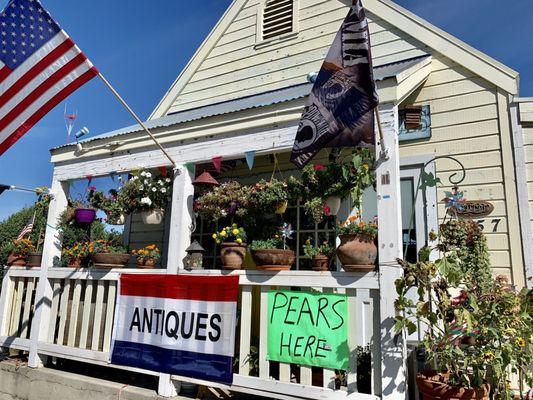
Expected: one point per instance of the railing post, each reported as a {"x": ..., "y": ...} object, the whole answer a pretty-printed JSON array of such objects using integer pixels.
[
  {"x": 393, "y": 369},
  {"x": 181, "y": 219},
  {"x": 51, "y": 248}
]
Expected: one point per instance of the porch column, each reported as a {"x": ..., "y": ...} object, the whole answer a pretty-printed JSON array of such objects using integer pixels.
[
  {"x": 393, "y": 369},
  {"x": 181, "y": 219},
  {"x": 51, "y": 248}
]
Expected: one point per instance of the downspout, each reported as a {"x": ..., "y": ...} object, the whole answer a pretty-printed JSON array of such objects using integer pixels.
[{"x": 522, "y": 191}]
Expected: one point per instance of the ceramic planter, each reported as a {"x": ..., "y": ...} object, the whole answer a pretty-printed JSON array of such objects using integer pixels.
[
  {"x": 146, "y": 263},
  {"x": 282, "y": 207},
  {"x": 434, "y": 386},
  {"x": 334, "y": 204},
  {"x": 273, "y": 259},
  {"x": 320, "y": 263},
  {"x": 74, "y": 263},
  {"x": 232, "y": 255},
  {"x": 16, "y": 261},
  {"x": 110, "y": 260},
  {"x": 84, "y": 216},
  {"x": 153, "y": 217},
  {"x": 35, "y": 259},
  {"x": 357, "y": 255}
]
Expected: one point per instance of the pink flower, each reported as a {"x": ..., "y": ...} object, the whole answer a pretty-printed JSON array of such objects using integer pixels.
[
  {"x": 319, "y": 167},
  {"x": 327, "y": 210},
  {"x": 92, "y": 188}
]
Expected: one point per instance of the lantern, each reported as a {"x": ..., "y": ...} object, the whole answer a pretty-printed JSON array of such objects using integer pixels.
[
  {"x": 194, "y": 257},
  {"x": 205, "y": 181}
]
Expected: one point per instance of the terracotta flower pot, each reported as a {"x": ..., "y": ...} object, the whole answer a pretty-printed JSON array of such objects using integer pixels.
[
  {"x": 274, "y": 259},
  {"x": 84, "y": 215},
  {"x": 320, "y": 263},
  {"x": 153, "y": 217},
  {"x": 16, "y": 261},
  {"x": 74, "y": 263},
  {"x": 232, "y": 255},
  {"x": 282, "y": 207},
  {"x": 357, "y": 255},
  {"x": 434, "y": 386},
  {"x": 34, "y": 260},
  {"x": 146, "y": 263},
  {"x": 334, "y": 204},
  {"x": 110, "y": 260}
]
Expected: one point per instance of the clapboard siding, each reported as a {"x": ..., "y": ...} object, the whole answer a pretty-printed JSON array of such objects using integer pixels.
[
  {"x": 238, "y": 65},
  {"x": 466, "y": 125},
  {"x": 528, "y": 149}
]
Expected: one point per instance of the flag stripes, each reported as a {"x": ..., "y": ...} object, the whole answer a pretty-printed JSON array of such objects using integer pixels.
[{"x": 38, "y": 68}]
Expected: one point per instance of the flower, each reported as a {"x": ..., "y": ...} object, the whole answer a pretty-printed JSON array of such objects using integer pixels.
[
  {"x": 365, "y": 166},
  {"x": 235, "y": 231},
  {"x": 327, "y": 210},
  {"x": 148, "y": 174},
  {"x": 154, "y": 190},
  {"x": 489, "y": 355},
  {"x": 147, "y": 201},
  {"x": 214, "y": 236},
  {"x": 239, "y": 240},
  {"x": 163, "y": 190},
  {"x": 362, "y": 224},
  {"x": 319, "y": 167},
  {"x": 167, "y": 180},
  {"x": 143, "y": 173},
  {"x": 352, "y": 218},
  {"x": 520, "y": 342},
  {"x": 223, "y": 233},
  {"x": 92, "y": 188}
]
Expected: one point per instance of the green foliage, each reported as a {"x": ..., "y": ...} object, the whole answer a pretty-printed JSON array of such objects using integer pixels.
[
  {"x": 356, "y": 226},
  {"x": 112, "y": 204},
  {"x": 232, "y": 233},
  {"x": 273, "y": 243},
  {"x": 228, "y": 200},
  {"x": 311, "y": 250},
  {"x": 267, "y": 196},
  {"x": 476, "y": 328},
  {"x": 314, "y": 209}
]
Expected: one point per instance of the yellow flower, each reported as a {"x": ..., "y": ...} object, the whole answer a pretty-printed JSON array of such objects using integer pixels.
[
  {"x": 214, "y": 235},
  {"x": 352, "y": 218},
  {"x": 365, "y": 166},
  {"x": 521, "y": 342},
  {"x": 223, "y": 233},
  {"x": 489, "y": 355},
  {"x": 362, "y": 224},
  {"x": 235, "y": 231},
  {"x": 151, "y": 247},
  {"x": 239, "y": 240}
]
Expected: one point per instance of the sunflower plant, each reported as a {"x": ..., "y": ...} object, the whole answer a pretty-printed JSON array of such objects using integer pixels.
[{"x": 233, "y": 233}]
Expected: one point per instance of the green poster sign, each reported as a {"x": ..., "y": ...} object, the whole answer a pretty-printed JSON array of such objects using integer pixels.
[{"x": 308, "y": 329}]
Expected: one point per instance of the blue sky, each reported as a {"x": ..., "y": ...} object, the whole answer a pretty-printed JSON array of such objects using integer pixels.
[{"x": 141, "y": 46}]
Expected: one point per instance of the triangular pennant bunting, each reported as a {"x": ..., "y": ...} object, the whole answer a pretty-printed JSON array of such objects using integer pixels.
[
  {"x": 250, "y": 156},
  {"x": 217, "y": 162}
]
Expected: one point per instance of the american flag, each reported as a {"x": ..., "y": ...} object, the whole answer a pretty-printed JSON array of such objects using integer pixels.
[
  {"x": 39, "y": 67},
  {"x": 28, "y": 228}
]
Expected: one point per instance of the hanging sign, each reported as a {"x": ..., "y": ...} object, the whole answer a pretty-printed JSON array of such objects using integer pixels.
[
  {"x": 475, "y": 209},
  {"x": 308, "y": 329},
  {"x": 181, "y": 325}
]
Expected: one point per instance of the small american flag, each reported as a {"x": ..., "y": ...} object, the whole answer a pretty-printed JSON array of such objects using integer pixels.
[
  {"x": 39, "y": 67},
  {"x": 28, "y": 228}
]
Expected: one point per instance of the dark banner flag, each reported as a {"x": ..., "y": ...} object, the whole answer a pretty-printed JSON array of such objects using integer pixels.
[{"x": 340, "y": 109}]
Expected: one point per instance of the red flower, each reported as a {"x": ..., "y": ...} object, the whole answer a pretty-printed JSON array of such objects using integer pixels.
[
  {"x": 327, "y": 210},
  {"x": 319, "y": 167},
  {"x": 92, "y": 188}
]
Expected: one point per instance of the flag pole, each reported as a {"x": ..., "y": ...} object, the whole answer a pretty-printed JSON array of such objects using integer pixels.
[
  {"x": 22, "y": 189},
  {"x": 384, "y": 151},
  {"x": 139, "y": 121}
]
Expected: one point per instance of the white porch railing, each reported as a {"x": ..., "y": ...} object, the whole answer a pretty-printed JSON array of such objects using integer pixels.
[{"x": 81, "y": 311}]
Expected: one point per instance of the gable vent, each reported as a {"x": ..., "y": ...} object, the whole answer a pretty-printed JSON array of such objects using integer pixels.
[{"x": 277, "y": 18}]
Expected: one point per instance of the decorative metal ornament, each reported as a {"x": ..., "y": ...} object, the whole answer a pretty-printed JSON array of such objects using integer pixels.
[{"x": 195, "y": 256}]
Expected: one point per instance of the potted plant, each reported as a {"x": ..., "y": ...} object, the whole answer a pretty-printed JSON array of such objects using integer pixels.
[
  {"x": 147, "y": 193},
  {"x": 477, "y": 329},
  {"x": 18, "y": 251},
  {"x": 270, "y": 196},
  {"x": 229, "y": 200},
  {"x": 147, "y": 257},
  {"x": 320, "y": 255},
  {"x": 357, "y": 250},
  {"x": 108, "y": 255},
  {"x": 84, "y": 213},
  {"x": 272, "y": 254},
  {"x": 112, "y": 205},
  {"x": 76, "y": 256},
  {"x": 35, "y": 258},
  {"x": 232, "y": 240}
]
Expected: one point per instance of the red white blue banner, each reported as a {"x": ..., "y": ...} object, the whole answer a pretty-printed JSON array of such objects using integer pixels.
[{"x": 180, "y": 325}]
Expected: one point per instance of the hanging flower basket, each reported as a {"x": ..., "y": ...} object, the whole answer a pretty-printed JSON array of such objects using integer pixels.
[
  {"x": 232, "y": 255},
  {"x": 153, "y": 217},
  {"x": 334, "y": 204},
  {"x": 84, "y": 216}
]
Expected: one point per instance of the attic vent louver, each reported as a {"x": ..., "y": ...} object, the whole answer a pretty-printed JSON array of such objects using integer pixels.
[{"x": 277, "y": 18}]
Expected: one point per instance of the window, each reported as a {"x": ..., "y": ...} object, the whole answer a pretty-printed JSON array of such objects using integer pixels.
[
  {"x": 278, "y": 19},
  {"x": 415, "y": 123}
]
